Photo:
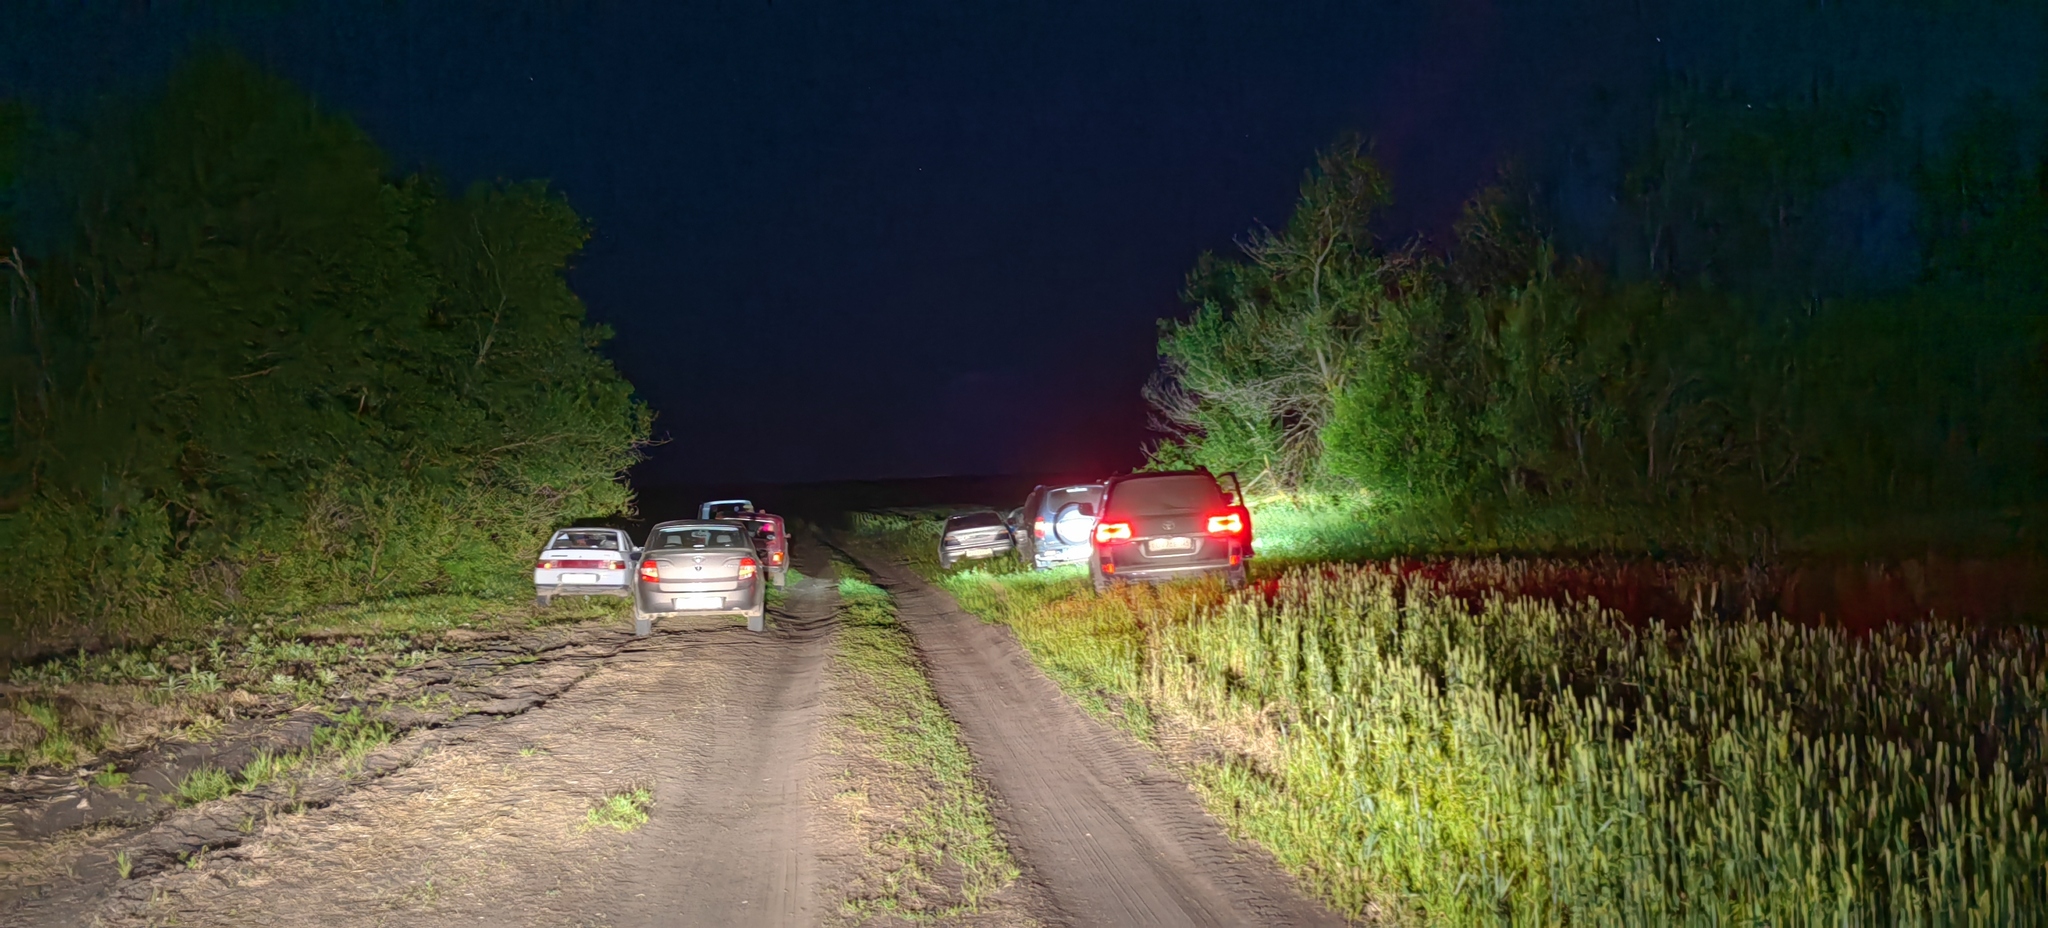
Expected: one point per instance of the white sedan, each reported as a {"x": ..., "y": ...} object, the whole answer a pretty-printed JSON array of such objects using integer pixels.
[{"x": 584, "y": 562}]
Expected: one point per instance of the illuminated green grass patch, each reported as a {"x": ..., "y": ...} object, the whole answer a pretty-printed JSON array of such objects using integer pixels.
[{"x": 1430, "y": 759}]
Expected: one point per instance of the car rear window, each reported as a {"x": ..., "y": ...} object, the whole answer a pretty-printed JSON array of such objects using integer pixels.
[
  {"x": 697, "y": 537},
  {"x": 1147, "y": 496},
  {"x": 975, "y": 520},
  {"x": 1058, "y": 499},
  {"x": 596, "y": 541}
]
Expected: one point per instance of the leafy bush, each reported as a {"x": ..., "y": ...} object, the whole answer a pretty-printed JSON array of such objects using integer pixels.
[
  {"x": 249, "y": 369},
  {"x": 1714, "y": 376}
]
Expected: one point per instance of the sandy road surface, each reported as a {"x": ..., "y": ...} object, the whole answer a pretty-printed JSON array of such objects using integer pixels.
[
  {"x": 1112, "y": 834},
  {"x": 719, "y": 723}
]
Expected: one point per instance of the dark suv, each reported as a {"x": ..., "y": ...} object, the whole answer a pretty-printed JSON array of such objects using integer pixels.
[
  {"x": 1056, "y": 524},
  {"x": 1171, "y": 524}
]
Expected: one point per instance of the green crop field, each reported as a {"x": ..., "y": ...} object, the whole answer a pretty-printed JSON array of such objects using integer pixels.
[{"x": 1417, "y": 749}]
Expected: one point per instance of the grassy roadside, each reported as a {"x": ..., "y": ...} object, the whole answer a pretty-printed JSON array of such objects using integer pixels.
[
  {"x": 73, "y": 711},
  {"x": 932, "y": 847},
  {"x": 1420, "y": 750}
]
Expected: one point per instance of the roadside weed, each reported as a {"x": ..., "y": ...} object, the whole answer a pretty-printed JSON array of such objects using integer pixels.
[
  {"x": 623, "y": 811},
  {"x": 946, "y": 821},
  {"x": 109, "y": 778}
]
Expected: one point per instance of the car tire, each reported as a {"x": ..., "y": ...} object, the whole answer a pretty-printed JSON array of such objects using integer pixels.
[{"x": 543, "y": 600}]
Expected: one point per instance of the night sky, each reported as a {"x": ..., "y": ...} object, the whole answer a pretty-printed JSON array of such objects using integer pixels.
[{"x": 936, "y": 237}]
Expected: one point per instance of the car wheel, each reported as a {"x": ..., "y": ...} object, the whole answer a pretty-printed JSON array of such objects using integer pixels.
[{"x": 543, "y": 600}]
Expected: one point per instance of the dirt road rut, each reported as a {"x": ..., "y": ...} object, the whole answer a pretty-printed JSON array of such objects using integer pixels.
[{"x": 1112, "y": 834}]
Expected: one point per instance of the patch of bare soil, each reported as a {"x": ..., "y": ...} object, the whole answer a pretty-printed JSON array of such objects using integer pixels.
[
  {"x": 715, "y": 722},
  {"x": 1109, "y": 830},
  {"x": 68, "y": 843}
]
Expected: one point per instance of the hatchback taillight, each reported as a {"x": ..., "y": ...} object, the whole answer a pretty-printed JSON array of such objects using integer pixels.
[
  {"x": 1107, "y": 532},
  {"x": 650, "y": 571},
  {"x": 747, "y": 566},
  {"x": 1229, "y": 523}
]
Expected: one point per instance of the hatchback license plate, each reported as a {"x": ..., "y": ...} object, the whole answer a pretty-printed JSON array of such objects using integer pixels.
[
  {"x": 1171, "y": 544},
  {"x": 579, "y": 578},
  {"x": 700, "y": 602}
]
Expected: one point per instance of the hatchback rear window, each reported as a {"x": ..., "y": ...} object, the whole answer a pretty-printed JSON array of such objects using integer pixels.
[
  {"x": 975, "y": 520},
  {"x": 1058, "y": 499},
  {"x": 1147, "y": 496},
  {"x": 596, "y": 541},
  {"x": 696, "y": 537}
]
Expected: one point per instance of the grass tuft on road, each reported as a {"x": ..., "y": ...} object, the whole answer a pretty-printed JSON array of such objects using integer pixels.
[
  {"x": 936, "y": 851},
  {"x": 621, "y": 811}
]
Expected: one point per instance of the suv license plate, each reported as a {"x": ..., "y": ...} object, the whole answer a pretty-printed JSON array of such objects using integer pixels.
[
  {"x": 1171, "y": 544},
  {"x": 579, "y": 578},
  {"x": 700, "y": 602}
]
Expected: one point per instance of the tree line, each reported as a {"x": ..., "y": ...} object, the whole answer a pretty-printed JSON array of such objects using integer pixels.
[
  {"x": 249, "y": 367},
  {"x": 1802, "y": 324}
]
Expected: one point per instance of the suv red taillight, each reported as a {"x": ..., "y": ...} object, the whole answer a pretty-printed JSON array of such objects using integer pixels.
[
  {"x": 1109, "y": 532},
  {"x": 775, "y": 557},
  {"x": 1229, "y": 523},
  {"x": 650, "y": 571},
  {"x": 1039, "y": 528},
  {"x": 747, "y": 566}
]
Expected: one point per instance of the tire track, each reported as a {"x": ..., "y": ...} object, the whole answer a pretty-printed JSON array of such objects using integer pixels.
[{"x": 1103, "y": 824}]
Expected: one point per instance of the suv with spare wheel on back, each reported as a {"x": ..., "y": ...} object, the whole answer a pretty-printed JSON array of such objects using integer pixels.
[
  {"x": 1061, "y": 519},
  {"x": 1171, "y": 524}
]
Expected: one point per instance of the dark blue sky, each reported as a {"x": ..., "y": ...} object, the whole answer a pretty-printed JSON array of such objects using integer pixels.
[{"x": 937, "y": 236}]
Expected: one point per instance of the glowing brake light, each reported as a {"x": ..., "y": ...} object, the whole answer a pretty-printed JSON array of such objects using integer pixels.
[
  {"x": 544, "y": 565},
  {"x": 1106, "y": 532},
  {"x": 747, "y": 566},
  {"x": 1038, "y": 528},
  {"x": 1229, "y": 523},
  {"x": 775, "y": 557},
  {"x": 650, "y": 571}
]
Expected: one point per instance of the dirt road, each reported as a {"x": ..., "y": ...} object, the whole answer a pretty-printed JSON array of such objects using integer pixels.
[
  {"x": 1112, "y": 834},
  {"x": 783, "y": 792}
]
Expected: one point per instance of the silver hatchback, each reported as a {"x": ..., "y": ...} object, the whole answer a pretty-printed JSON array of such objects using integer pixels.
[{"x": 698, "y": 567}]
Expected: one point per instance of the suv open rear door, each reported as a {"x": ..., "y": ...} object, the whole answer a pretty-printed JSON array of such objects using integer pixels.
[{"x": 1238, "y": 505}]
